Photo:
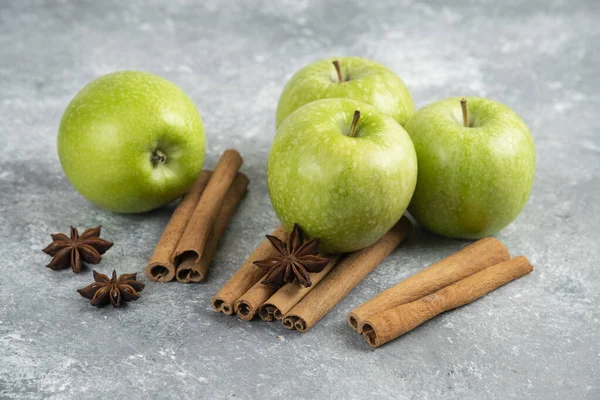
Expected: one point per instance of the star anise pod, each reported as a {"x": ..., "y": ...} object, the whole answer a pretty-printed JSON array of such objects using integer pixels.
[
  {"x": 112, "y": 290},
  {"x": 295, "y": 259},
  {"x": 71, "y": 251}
]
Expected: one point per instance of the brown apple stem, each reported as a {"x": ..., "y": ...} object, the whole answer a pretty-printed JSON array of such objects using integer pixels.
[
  {"x": 354, "y": 123},
  {"x": 338, "y": 69},
  {"x": 463, "y": 104}
]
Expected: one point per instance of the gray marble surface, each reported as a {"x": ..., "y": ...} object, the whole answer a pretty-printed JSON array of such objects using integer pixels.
[{"x": 537, "y": 338}]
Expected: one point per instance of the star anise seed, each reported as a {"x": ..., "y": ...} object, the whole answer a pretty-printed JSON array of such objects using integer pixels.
[
  {"x": 112, "y": 290},
  {"x": 73, "y": 251},
  {"x": 294, "y": 261}
]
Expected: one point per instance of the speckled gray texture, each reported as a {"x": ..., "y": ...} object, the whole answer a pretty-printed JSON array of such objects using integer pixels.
[{"x": 537, "y": 338}]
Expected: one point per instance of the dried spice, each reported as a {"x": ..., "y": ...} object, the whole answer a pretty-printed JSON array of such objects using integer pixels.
[
  {"x": 73, "y": 251},
  {"x": 295, "y": 260},
  {"x": 112, "y": 290}
]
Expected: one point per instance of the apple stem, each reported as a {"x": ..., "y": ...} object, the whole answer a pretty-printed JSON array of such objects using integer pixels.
[
  {"x": 354, "y": 123},
  {"x": 158, "y": 157},
  {"x": 338, "y": 69},
  {"x": 463, "y": 104}
]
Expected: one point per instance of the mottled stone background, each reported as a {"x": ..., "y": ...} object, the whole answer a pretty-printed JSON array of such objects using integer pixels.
[{"x": 537, "y": 338}]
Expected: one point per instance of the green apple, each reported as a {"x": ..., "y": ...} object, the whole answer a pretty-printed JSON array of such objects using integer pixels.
[
  {"x": 349, "y": 78},
  {"x": 131, "y": 141},
  {"x": 476, "y": 170},
  {"x": 344, "y": 176}
]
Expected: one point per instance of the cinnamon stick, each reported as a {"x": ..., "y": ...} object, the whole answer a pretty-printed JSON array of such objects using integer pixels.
[
  {"x": 246, "y": 276},
  {"x": 399, "y": 320},
  {"x": 202, "y": 219},
  {"x": 161, "y": 267},
  {"x": 247, "y": 306},
  {"x": 343, "y": 278},
  {"x": 191, "y": 271},
  {"x": 289, "y": 295},
  {"x": 471, "y": 259}
]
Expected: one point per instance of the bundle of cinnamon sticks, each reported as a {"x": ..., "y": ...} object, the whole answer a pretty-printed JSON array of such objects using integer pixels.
[
  {"x": 300, "y": 307},
  {"x": 189, "y": 242},
  {"x": 450, "y": 283}
]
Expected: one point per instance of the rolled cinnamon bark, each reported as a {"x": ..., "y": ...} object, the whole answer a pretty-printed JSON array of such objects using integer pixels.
[
  {"x": 202, "y": 219},
  {"x": 289, "y": 295},
  {"x": 397, "y": 321},
  {"x": 247, "y": 306},
  {"x": 191, "y": 271},
  {"x": 161, "y": 267},
  {"x": 471, "y": 259},
  {"x": 343, "y": 278},
  {"x": 246, "y": 276}
]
